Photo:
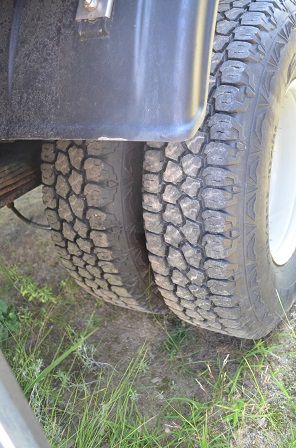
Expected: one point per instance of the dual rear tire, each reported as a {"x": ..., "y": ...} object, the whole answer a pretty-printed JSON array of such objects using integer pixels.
[{"x": 219, "y": 210}]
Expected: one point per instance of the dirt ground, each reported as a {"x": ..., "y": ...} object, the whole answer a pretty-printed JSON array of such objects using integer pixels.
[{"x": 123, "y": 333}]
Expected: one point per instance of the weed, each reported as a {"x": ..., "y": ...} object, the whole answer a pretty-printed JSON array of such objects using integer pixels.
[
  {"x": 28, "y": 289},
  {"x": 69, "y": 286},
  {"x": 8, "y": 321},
  {"x": 175, "y": 338}
]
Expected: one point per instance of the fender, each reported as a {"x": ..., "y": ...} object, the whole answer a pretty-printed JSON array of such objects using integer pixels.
[{"x": 141, "y": 75}]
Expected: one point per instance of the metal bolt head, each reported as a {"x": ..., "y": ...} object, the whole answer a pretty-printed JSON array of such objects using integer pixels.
[{"x": 91, "y": 5}]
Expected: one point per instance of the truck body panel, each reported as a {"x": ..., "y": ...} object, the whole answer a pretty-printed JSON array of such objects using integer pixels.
[{"x": 144, "y": 79}]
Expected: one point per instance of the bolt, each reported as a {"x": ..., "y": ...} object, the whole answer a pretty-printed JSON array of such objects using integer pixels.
[{"x": 90, "y": 5}]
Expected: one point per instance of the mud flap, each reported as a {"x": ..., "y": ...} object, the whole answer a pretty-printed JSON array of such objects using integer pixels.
[{"x": 141, "y": 75}]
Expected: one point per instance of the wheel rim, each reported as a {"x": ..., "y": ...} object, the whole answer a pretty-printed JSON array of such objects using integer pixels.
[{"x": 282, "y": 191}]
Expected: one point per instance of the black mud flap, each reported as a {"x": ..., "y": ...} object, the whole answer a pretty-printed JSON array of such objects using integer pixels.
[{"x": 141, "y": 75}]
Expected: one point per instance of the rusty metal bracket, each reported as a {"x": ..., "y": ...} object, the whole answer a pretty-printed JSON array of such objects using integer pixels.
[{"x": 94, "y": 9}]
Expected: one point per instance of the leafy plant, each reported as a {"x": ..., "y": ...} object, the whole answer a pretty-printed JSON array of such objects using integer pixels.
[
  {"x": 8, "y": 320},
  {"x": 26, "y": 286}
]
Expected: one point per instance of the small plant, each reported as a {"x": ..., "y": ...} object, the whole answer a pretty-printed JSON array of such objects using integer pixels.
[
  {"x": 8, "y": 320},
  {"x": 176, "y": 338},
  {"x": 29, "y": 289},
  {"x": 68, "y": 286}
]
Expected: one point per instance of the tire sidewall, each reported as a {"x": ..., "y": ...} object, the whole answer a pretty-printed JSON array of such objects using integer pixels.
[{"x": 270, "y": 285}]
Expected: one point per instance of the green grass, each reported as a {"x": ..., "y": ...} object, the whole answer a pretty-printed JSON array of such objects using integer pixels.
[{"x": 244, "y": 396}]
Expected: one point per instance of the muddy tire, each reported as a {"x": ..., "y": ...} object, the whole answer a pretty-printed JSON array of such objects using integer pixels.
[
  {"x": 93, "y": 205},
  {"x": 211, "y": 204}
]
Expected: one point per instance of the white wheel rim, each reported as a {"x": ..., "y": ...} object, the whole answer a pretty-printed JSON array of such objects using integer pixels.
[{"x": 282, "y": 191}]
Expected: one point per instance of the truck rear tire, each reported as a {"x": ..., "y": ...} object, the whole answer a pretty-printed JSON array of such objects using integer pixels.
[
  {"x": 220, "y": 209},
  {"x": 93, "y": 205}
]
